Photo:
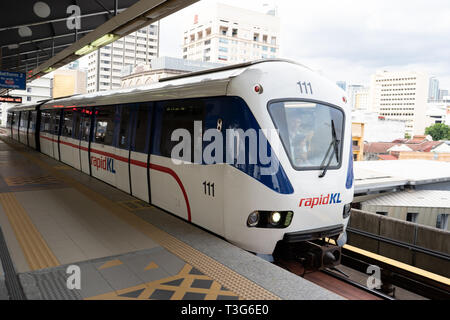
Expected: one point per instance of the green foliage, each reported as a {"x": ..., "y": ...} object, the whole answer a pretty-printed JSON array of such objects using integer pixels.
[{"x": 438, "y": 131}]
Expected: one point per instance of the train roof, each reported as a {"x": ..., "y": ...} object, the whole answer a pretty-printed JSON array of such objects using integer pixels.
[{"x": 211, "y": 82}]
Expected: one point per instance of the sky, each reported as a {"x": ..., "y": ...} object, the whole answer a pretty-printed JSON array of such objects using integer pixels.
[{"x": 347, "y": 40}]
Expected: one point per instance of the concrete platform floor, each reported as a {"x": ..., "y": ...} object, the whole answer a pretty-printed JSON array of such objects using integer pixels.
[{"x": 56, "y": 219}]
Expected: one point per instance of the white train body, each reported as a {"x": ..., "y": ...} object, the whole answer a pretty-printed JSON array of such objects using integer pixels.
[{"x": 218, "y": 197}]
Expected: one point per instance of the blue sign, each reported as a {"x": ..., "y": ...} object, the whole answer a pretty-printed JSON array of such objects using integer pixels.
[{"x": 13, "y": 80}]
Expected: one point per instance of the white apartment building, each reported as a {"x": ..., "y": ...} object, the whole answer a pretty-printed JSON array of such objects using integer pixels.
[
  {"x": 401, "y": 96},
  {"x": 361, "y": 99},
  {"x": 226, "y": 34},
  {"x": 106, "y": 64},
  {"x": 438, "y": 112},
  {"x": 37, "y": 90}
]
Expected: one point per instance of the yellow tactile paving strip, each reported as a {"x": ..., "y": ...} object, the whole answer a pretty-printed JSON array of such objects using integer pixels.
[
  {"x": 243, "y": 287},
  {"x": 35, "y": 249},
  {"x": 134, "y": 205},
  {"x": 24, "y": 181},
  {"x": 177, "y": 286}
]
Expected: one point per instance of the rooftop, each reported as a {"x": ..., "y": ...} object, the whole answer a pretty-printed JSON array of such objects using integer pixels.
[
  {"x": 423, "y": 198},
  {"x": 389, "y": 174}
]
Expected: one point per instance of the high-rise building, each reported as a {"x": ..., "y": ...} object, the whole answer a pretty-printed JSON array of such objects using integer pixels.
[
  {"x": 361, "y": 99},
  {"x": 351, "y": 91},
  {"x": 68, "y": 82},
  {"x": 442, "y": 94},
  {"x": 226, "y": 34},
  {"x": 401, "y": 96},
  {"x": 342, "y": 85},
  {"x": 105, "y": 65},
  {"x": 433, "y": 91}
]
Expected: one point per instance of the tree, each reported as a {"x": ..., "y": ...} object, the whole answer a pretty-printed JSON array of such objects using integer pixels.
[{"x": 438, "y": 131}]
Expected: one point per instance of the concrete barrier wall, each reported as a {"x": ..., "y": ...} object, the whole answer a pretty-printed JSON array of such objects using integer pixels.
[
  {"x": 365, "y": 222},
  {"x": 415, "y": 234}
]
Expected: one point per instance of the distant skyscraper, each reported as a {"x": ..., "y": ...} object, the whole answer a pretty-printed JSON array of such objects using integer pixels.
[
  {"x": 351, "y": 91},
  {"x": 342, "y": 85},
  {"x": 226, "y": 34},
  {"x": 106, "y": 65},
  {"x": 401, "y": 96},
  {"x": 433, "y": 91},
  {"x": 442, "y": 94}
]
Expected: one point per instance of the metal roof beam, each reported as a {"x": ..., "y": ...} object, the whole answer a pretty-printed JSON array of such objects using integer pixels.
[
  {"x": 50, "y": 38},
  {"x": 57, "y": 20}
]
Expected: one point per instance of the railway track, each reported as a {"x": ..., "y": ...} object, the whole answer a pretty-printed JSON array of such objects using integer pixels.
[{"x": 334, "y": 282}]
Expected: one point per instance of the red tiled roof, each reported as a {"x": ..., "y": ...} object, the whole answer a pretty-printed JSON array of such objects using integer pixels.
[
  {"x": 378, "y": 147},
  {"x": 382, "y": 147},
  {"x": 425, "y": 146},
  {"x": 386, "y": 157}
]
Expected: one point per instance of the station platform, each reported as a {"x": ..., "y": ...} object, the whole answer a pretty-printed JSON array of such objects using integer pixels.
[{"x": 53, "y": 217}]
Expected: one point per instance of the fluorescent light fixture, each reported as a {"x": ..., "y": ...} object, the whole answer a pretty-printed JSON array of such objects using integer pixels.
[
  {"x": 130, "y": 26},
  {"x": 49, "y": 70},
  {"x": 106, "y": 39},
  {"x": 85, "y": 50}
]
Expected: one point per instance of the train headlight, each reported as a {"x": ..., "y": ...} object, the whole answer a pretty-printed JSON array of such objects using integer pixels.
[
  {"x": 253, "y": 219},
  {"x": 275, "y": 218},
  {"x": 347, "y": 210}
]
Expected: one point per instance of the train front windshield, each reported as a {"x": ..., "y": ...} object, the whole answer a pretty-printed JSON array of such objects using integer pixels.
[{"x": 311, "y": 133}]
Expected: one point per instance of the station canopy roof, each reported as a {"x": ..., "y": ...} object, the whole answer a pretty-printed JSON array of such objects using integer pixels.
[{"x": 37, "y": 37}]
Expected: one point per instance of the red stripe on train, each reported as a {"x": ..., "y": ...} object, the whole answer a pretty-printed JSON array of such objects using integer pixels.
[{"x": 137, "y": 163}]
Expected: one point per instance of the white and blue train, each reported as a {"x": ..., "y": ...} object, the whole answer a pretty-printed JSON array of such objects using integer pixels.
[{"x": 127, "y": 138}]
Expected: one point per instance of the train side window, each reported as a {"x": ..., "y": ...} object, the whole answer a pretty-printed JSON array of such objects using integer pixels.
[
  {"x": 76, "y": 124},
  {"x": 85, "y": 125},
  {"x": 67, "y": 124},
  {"x": 124, "y": 130},
  {"x": 15, "y": 121},
  {"x": 140, "y": 141},
  {"x": 24, "y": 120},
  {"x": 46, "y": 121},
  {"x": 179, "y": 115},
  {"x": 9, "y": 120},
  {"x": 56, "y": 118},
  {"x": 104, "y": 125},
  {"x": 32, "y": 126}
]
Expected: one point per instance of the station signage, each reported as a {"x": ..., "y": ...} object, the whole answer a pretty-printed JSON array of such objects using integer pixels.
[
  {"x": 9, "y": 99},
  {"x": 12, "y": 80}
]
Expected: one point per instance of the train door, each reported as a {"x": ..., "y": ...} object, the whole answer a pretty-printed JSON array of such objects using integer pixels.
[
  {"x": 15, "y": 126},
  {"x": 28, "y": 128},
  {"x": 122, "y": 149},
  {"x": 23, "y": 126},
  {"x": 32, "y": 130},
  {"x": 102, "y": 150},
  {"x": 139, "y": 153},
  {"x": 45, "y": 134},
  {"x": 85, "y": 139},
  {"x": 180, "y": 183},
  {"x": 56, "y": 132},
  {"x": 18, "y": 126},
  {"x": 9, "y": 122},
  {"x": 76, "y": 138},
  {"x": 67, "y": 144}
]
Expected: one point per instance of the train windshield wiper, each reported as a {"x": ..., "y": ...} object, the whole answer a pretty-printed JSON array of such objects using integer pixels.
[{"x": 334, "y": 151}]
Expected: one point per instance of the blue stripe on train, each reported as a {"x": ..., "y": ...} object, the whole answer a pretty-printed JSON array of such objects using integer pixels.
[{"x": 235, "y": 114}]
